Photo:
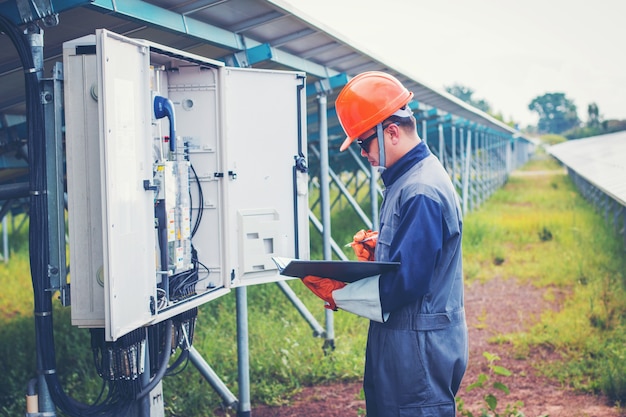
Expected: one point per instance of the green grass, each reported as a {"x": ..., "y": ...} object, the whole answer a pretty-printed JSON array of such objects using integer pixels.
[
  {"x": 284, "y": 355},
  {"x": 535, "y": 229},
  {"x": 538, "y": 229}
]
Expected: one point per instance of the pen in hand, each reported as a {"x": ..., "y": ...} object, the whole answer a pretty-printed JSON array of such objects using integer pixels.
[{"x": 359, "y": 241}]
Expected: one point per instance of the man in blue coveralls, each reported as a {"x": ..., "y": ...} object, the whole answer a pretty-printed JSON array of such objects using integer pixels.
[{"x": 417, "y": 344}]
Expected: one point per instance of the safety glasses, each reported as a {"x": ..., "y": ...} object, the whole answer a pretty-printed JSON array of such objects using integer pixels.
[{"x": 366, "y": 143}]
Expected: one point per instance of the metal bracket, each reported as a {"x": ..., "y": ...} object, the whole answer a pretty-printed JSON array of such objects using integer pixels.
[
  {"x": 33, "y": 10},
  {"x": 237, "y": 59},
  {"x": 231, "y": 174},
  {"x": 52, "y": 101},
  {"x": 323, "y": 86},
  {"x": 148, "y": 186},
  {"x": 300, "y": 163}
]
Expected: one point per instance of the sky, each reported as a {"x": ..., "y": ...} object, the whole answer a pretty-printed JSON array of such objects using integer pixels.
[{"x": 508, "y": 52}]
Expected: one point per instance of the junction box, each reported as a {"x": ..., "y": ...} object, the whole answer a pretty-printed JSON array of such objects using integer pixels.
[{"x": 184, "y": 178}]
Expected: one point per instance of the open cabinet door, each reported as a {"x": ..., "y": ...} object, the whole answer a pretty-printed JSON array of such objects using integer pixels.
[
  {"x": 125, "y": 150},
  {"x": 266, "y": 179},
  {"x": 161, "y": 226},
  {"x": 119, "y": 174}
]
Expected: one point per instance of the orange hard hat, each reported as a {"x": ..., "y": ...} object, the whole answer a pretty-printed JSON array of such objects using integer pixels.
[{"x": 368, "y": 99}]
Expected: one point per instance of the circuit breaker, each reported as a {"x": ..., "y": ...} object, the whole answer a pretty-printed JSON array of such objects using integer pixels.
[{"x": 185, "y": 177}]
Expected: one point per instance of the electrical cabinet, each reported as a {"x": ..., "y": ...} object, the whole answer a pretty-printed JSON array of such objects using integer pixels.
[{"x": 184, "y": 178}]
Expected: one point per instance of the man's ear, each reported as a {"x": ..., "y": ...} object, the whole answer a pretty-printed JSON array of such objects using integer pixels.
[{"x": 394, "y": 132}]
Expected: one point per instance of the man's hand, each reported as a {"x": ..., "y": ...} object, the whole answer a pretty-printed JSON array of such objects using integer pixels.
[
  {"x": 363, "y": 244},
  {"x": 323, "y": 288}
]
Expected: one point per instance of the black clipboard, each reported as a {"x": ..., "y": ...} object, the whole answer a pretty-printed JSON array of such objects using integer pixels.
[{"x": 346, "y": 271}]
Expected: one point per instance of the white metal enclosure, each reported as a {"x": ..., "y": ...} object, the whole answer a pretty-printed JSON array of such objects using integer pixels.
[{"x": 230, "y": 173}]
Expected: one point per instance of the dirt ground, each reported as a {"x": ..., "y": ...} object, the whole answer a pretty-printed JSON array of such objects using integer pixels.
[{"x": 496, "y": 307}]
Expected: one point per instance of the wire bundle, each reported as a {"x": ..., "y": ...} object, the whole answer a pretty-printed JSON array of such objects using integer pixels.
[
  {"x": 38, "y": 238},
  {"x": 196, "y": 224},
  {"x": 119, "y": 400},
  {"x": 183, "y": 328},
  {"x": 183, "y": 285},
  {"x": 121, "y": 360}
]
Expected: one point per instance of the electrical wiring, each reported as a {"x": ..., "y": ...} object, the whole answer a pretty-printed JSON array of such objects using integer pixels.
[
  {"x": 185, "y": 324},
  {"x": 118, "y": 400},
  {"x": 178, "y": 281},
  {"x": 161, "y": 298},
  {"x": 183, "y": 285},
  {"x": 164, "y": 362},
  {"x": 200, "y": 202},
  {"x": 38, "y": 230},
  {"x": 180, "y": 285},
  {"x": 117, "y": 396},
  {"x": 183, "y": 359}
]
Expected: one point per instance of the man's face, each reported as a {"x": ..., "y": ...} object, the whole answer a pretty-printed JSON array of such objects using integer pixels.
[
  {"x": 369, "y": 147},
  {"x": 369, "y": 144}
]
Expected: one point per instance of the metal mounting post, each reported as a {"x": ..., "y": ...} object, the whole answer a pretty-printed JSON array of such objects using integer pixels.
[
  {"x": 243, "y": 359},
  {"x": 52, "y": 100},
  {"x": 318, "y": 330},
  {"x": 209, "y": 374},
  {"x": 325, "y": 205}
]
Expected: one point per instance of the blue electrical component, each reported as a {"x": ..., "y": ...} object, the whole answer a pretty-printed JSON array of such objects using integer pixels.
[{"x": 163, "y": 107}]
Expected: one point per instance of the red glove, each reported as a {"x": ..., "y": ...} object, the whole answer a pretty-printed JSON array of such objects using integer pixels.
[
  {"x": 364, "y": 243},
  {"x": 323, "y": 288}
]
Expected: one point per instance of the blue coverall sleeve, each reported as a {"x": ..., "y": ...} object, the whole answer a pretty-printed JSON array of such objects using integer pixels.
[{"x": 417, "y": 245}]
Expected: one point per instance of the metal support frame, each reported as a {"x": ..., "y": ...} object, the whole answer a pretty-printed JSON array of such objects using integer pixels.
[
  {"x": 325, "y": 207},
  {"x": 456, "y": 171},
  {"x": 466, "y": 172},
  {"x": 318, "y": 330},
  {"x": 228, "y": 399},
  {"x": 52, "y": 99},
  {"x": 187, "y": 26},
  {"x": 26, "y": 11},
  {"x": 5, "y": 240},
  {"x": 333, "y": 244},
  {"x": 243, "y": 358},
  {"x": 613, "y": 211},
  {"x": 344, "y": 193},
  {"x": 477, "y": 158},
  {"x": 243, "y": 405}
]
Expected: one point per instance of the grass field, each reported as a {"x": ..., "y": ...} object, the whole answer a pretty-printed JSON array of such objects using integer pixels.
[{"x": 538, "y": 227}]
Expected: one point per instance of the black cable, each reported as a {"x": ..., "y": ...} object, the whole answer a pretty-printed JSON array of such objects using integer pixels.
[
  {"x": 183, "y": 285},
  {"x": 200, "y": 202},
  {"x": 183, "y": 359},
  {"x": 164, "y": 361},
  {"x": 117, "y": 402},
  {"x": 38, "y": 238}
]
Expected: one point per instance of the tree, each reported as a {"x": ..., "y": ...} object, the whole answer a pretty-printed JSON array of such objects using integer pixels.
[
  {"x": 465, "y": 94},
  {"x": 594, "y": 115},
  {"x": 557, "y": 113}
]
